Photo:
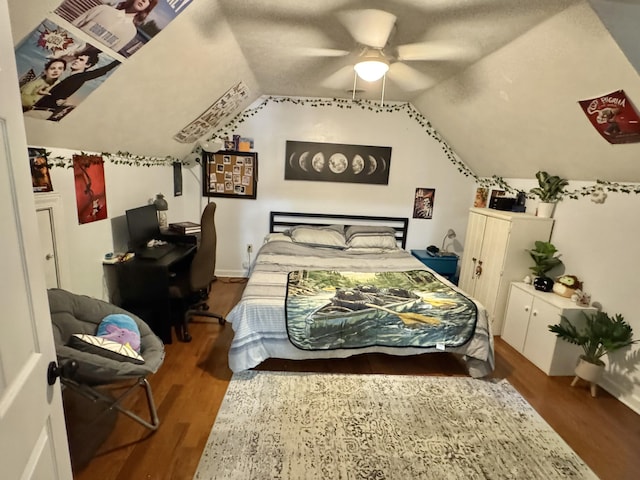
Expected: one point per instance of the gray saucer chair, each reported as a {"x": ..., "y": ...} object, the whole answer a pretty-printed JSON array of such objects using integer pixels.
[
  {"x": 85, "y": 370},
  {"x": 191, "y": 289}
]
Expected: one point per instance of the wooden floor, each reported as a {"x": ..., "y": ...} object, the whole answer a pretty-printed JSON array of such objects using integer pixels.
[{"x": 190, "y": 386}]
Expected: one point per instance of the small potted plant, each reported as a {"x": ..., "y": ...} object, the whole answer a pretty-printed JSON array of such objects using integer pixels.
[
  {"x": 544, "y": 258},
  {"x": 549, "y": 190},
  {"x": 601, "y": 334}
]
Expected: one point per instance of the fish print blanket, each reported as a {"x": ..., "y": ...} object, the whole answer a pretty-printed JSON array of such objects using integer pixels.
[{"x": 328, "y": 309}]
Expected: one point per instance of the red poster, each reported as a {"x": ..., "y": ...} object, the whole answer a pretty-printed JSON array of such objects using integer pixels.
[
  {"x": 91, "y": 198},
  {"x": 614, "y": 117}
]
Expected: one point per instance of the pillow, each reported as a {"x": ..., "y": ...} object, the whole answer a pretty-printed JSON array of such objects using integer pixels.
[
  {"x": 277, "y": 237},
  {"x": 322, "y": 236},
  {"x": 120, "y": 328},
  {"x": 364, "y": 236},
  {"x": 105, "y": 348}
]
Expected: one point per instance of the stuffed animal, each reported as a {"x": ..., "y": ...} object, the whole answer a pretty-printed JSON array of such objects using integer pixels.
[
  {"x": 566, "y": 285},
  {"x": 120, "y": 328}
]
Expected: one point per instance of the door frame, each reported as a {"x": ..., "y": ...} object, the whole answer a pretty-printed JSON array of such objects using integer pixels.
[{"x": 53, "y": 203}]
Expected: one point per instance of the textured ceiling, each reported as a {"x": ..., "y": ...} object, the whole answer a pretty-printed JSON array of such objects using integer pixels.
[
  {"x": 279, "y": 39},
  {"x": 487, "y": 56}
]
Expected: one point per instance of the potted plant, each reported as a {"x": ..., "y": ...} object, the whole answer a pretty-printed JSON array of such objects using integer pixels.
[
  {"x": 549, "y": 190},
  {"x": 543, "y": 256},
  {"x": 601, "y": 334}
]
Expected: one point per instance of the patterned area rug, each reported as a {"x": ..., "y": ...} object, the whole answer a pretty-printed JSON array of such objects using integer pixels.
[{"x": 277, "y": 425}]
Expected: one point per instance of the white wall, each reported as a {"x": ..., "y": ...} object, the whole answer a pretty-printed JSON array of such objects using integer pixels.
[
  {"x": 598, "y": 244},
  {"x": 127, "y": 187},
  {"x": 417, "y": 160}
]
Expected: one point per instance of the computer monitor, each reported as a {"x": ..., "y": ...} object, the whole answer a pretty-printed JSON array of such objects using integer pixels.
[{"x": 142, "y": 223}]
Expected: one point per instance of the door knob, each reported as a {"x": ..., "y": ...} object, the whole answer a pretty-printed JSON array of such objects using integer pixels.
[
  {"x": 48, "y": 256},
  {"x": 67, "y": 369},
  {"x": 479, "y": 269}
]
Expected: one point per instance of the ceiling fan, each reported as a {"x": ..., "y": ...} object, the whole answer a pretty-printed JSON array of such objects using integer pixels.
[{"x": 375, "y": 57}]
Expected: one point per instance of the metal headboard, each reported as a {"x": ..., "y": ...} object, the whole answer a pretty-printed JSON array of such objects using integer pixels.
[{"x": 281, "y": 221}]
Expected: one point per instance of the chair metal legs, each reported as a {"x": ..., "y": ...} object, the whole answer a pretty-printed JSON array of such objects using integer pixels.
[
  {"x": 183, "y": 332},
  {"x": 94, "y": 395}
]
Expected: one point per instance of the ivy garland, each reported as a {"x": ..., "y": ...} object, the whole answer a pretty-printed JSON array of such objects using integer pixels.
[
  {"x": 119, "y": 158},
  {"x": 126, "y": 158}
]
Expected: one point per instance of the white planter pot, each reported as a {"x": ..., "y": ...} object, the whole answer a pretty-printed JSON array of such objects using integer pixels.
[
  {"x": 545, "y": 210},
  {"x": 590, "y": 372}
]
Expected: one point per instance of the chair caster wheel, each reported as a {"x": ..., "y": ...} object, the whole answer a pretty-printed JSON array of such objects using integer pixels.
[{"x": 186, "y": 337}]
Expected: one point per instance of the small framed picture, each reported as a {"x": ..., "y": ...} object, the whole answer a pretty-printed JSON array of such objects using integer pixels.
[
  {"x": 482, "y": 195},
  {"x": 40, "y": 176},
  {"x": 423, "y": 203}
]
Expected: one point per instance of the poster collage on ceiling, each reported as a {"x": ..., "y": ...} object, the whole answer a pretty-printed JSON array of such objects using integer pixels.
[{"x": 76, "y": 48}]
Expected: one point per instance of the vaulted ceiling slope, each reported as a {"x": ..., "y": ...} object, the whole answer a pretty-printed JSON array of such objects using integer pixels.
[{"x": 500, "y": 79}]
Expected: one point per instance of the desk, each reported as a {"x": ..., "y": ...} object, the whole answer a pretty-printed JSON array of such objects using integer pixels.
[
  {"x": 445, "y": 265},
  {"x": 141, "y": 286}
]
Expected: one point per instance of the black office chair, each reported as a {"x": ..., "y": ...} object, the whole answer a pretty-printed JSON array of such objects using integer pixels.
[{"x": 192, "y": 290}]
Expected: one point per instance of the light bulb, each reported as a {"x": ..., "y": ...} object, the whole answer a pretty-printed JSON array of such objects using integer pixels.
[{"x": 371, "y": 70}]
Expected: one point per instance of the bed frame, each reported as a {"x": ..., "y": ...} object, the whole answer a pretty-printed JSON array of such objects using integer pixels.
[{"x": 281, "y": 221}]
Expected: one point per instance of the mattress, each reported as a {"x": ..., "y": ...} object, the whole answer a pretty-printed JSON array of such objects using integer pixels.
[{"x": 259, "y": 320}]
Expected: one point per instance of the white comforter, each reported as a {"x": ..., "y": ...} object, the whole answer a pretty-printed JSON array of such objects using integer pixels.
[{"x": 259, "y": 318}]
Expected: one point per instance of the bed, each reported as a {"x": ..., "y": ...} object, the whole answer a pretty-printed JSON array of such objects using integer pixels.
[{"x": 333, "y": 286}]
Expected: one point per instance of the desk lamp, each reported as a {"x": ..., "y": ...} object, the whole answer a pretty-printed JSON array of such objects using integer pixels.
[
  {"x": 162, "y": 206},
  {"x": 450, "y": 234}
]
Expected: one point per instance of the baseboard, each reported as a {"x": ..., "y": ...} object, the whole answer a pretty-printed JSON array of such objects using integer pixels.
[
  {"x": 232, "y": 273},
  {"x": 629, "y": 399}
]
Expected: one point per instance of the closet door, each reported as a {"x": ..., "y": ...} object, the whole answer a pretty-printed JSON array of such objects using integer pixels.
[
  {"x": 472, "y": 250},
  {"x": 490, "y": 262}
]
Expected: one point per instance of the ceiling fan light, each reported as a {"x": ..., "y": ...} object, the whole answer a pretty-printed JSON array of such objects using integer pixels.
[{"x": 371, "y": 70}]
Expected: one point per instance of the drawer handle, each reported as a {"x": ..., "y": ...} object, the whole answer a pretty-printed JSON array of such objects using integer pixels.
[{"x": 526, "y": 309}]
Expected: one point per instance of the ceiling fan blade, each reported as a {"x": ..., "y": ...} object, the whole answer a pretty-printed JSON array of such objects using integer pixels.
[
  {"x": 342, "y": 79},
  {"x": 408, "y": 78},
  {"x": 318, "y": 52},
  {"x": 436, "y": 51},
  {"x": 368, "y": 27}
]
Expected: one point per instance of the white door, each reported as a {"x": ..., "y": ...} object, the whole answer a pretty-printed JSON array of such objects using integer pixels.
[
  {"x": 33, "y": 441},
  {"x": 48, "y": 247},
  {"x": 472, "y": 250},
  {"x": 490, "y": 263}
]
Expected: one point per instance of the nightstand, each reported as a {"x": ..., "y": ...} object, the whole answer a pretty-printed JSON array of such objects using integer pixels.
[{"x": 445, "y": 265}]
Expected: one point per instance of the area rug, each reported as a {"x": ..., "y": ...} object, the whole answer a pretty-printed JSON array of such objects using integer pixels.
[{"x": 277, "y": 425}]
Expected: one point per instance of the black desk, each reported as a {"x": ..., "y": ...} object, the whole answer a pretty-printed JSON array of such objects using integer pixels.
[{"x": 141, "y": 286}]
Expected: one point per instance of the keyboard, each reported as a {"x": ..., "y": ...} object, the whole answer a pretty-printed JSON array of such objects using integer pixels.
[{"x": 154, "y": 253}]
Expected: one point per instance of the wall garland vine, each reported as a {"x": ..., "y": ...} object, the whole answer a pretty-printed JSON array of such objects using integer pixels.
[{"x": 597, "y": 191}]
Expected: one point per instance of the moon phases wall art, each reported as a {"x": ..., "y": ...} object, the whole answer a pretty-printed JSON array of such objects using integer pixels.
[{"x": 336, "y": 162}]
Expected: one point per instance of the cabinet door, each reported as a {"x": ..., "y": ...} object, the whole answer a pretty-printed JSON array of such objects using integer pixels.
[
  {"x": 494, "y": 246},
  {"x": 541, "y": 343},
  {"x": 472, "y": 248},
  {"x": 517, "y": 318}
]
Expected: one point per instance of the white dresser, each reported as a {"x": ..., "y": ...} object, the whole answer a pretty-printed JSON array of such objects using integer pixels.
[
  {"x": 526, "y": 328},
  {"x": 495, "y": 254}
]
